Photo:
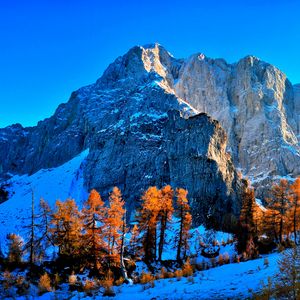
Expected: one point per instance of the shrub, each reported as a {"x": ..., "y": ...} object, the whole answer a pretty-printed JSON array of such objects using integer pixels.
[
  {"x": 164, "y": 273},
  {"x": 213, "y": 262},
  {"x": 88, "y": 286},
  {"x": 190, "y": 279},
  {"x": 266, "y": 262},
  {"x": 146, "y": 278},
  {"x": 44, "y": 284},
  {"x": 107, "y": 283},
  {"x": 236, "y": 258},
  {"x": 22, "y": 286},
  {"x": 8, "y": 280},
  {"x": 220, "y": 260},
  {"x": 199, "y": 267},
  {"x": 226, "y": 258},
  {"x": 280, "y": 248},
  {"x": 72, "y": 279},
  {"x": 178, "y": 274},
  {"x": 187, "y": 269},
  {"x": 119, "y": 281},
  {"x": 56, "y": 280}
]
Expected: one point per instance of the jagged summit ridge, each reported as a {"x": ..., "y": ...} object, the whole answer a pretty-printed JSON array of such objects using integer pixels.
[
  {"x": 123, "y": 119},
  {"x": 253, "y": 100}
]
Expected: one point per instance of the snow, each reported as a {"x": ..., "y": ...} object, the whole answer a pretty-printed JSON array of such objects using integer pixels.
[
  {"x": 225, "y": 282},
  {"x": 259, "y": 203},
  {"x": 232, "y": 281},
  {"x": 235, "y": 280},
  {"x": 65, "y": 181}
]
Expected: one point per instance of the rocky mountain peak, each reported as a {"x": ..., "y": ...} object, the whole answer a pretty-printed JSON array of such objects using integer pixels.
[{"x": 123, "y": 119}]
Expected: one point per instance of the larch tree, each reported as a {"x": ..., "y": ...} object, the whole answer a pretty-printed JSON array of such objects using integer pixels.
[
  {"x": 164, "y": 215},
  {"x": 38, "y": 231},
  {"x": 185, "y": 219},
  {"x": 31, "y": 245},
  {"x": 279, "y": 202},
  {"x": 288, "y": 277},
  {"x": 148, "y": 219},
  {"x": 247, "y": 231},
  {"x": 134, "y": 239},
  {"x": 67, "y": 228},
  {"x": 93, "y": 215},
  {"x": 295, "y": 206},
  {"x": 44, "y": 223},
  {"x": 114, "y": 223},
  {"x": 15, "y": 248}
]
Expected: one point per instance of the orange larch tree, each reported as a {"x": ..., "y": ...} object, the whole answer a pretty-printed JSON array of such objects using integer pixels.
[
  {"x": 295, "y": 206},
  {"x": 114, "y": 222},
  {"x": 93, "y": 214},
  {"x": 185, "y": 219},
  {"x": 67, "y": 228},
  {"x": 279, "y": 202},
  {"x": 133, "y": 243},
  {"x": 164, "y": 215},
  {"x": 247, "y": 233},
  {"x": 148, "y": 219}
]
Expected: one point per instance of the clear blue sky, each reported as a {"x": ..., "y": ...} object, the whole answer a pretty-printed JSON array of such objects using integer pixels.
[{"x": 49, "y": 48}]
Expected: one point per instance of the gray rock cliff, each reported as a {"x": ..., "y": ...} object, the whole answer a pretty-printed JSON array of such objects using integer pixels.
[{"x": 135, "y": 142}]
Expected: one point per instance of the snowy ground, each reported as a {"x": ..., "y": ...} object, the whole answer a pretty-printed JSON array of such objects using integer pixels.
[
  {"x": 51, "y": 184},
  {"x": 233, "y": 281}
]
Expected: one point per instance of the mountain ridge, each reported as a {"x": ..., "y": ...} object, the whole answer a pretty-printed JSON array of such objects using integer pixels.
[{"x": 123, "y": 118}]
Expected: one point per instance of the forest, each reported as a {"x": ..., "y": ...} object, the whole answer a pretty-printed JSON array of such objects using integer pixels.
[{"x": 100, "y": 241}]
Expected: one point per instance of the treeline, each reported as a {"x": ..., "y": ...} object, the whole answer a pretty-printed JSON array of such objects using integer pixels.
[
  {"x": 277, "y": 224},
  {"x": 94, "y": 237}
]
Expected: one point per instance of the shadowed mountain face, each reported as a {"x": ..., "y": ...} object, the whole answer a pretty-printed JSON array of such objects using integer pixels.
[{"x": 128, "y": 120}]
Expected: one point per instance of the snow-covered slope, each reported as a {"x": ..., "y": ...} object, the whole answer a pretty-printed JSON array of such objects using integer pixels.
[
  {"x": 233, "y": 281},
  {"x": 65, "y": 181}
]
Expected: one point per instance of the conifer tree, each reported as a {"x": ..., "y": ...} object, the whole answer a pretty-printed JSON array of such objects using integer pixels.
[
  {"x": 15, "y": 245},
  {"x": 295, "y": 206},
  {"x": 114, "y": 222},
  {"x": 185, "y": 219},
  {"x": 133, "y": 243},
  {"x": 122, "y": 248},
  {"x": 31, "y": 243},
  {"x": 148, "y": 219},
  {"x": 247, "y": 231},
  {"x": 44, "y": 223},
  {"x": 164, "y": 215},
  {"x": 279, "y": 202},
  {"x": 288, "y": 277},
  {"x": 67, "y": 228},
  {"x": 93, "y": 214}
]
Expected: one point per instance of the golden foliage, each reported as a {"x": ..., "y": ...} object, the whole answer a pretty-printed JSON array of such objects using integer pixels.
[
  {"x": 44, "y": 283},
  {"x": 187, "y": 269},
  {"x": 146, "y": 278}
]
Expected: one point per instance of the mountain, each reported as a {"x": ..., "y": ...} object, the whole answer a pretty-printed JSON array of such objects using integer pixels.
[{"x": 152, "y": 119}]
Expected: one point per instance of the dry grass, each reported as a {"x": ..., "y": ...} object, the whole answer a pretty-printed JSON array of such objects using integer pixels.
[
  {"x": 146, "y": 278},
  {"x": 187, "y": 269},
  {"x": 107, "y": 283},
  {"x": 44, "y": 284},
  {"x": 178, "y": 274}
]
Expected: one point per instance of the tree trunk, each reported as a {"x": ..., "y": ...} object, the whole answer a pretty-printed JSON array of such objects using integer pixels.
[
  {"x": 122, "y": 264},
  {"x": 180, "y": 237},
  {"x": 163, "y": 226}
]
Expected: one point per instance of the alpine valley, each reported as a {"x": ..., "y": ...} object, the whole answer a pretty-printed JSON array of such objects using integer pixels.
[{"x": 151, "y": 119}]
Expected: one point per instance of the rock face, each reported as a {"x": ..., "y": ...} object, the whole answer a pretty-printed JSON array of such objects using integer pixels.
[
  {"x": 123, "y": 119},
  {"x": 258, "y": 108}
]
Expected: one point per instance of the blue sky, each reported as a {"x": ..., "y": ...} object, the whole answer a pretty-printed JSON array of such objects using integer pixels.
[{"x": 49, "y": 48}]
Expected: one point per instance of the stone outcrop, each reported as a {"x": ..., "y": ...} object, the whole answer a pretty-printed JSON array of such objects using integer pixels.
[{"x": 123, "y": 119}]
